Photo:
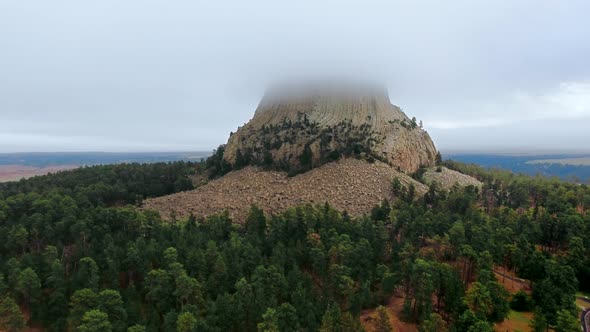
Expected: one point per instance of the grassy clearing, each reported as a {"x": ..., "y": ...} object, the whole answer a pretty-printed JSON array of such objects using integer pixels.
[{"x": 516, "y": 321}]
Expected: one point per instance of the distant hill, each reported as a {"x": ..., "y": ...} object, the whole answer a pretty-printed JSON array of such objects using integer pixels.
[{"x": 573, "y": 168}]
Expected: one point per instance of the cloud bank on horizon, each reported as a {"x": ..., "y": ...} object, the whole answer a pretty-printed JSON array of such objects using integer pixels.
[{"x": 151, "y": 75}]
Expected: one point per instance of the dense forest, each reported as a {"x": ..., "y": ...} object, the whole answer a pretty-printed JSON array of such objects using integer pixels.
[{"x": 78, "y": 254}]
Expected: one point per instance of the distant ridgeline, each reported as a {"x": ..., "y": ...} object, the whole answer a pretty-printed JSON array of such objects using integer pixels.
[
  {"x": 573, "y": 168},
  {"x": 43, "y": 159},
  {"x": 298, "y": 129}
]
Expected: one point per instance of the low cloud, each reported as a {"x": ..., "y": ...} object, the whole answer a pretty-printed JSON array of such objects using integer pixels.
[
  {"x": 567, "y": 101},
  {"x": 149, "y": 75}
]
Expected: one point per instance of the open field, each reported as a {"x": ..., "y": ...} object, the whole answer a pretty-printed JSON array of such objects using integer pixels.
[
  {"x": 16, "y": 166},
  {"x": 17, "y": 172}
]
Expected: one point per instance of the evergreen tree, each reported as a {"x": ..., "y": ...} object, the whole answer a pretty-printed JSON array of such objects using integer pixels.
[
  {"x": 332, "y": 320},
  {"x": 382, "y": 324},
  {"x": 82, "y": 301},
  {"x": 566, "y": 322},
  {"x": 11, "y": 318},
  {"x": 28, "y": 286},
  {"x": 136, "y": 328},
  {"x": 111, "y": 303},
  {"x": 434, "y": 323},
  {"x": 270, "y": 322},
  {"x": 95, "y": 321},
  {"x": 87, "y": 275},
  {"x": 186, "y": 322}
]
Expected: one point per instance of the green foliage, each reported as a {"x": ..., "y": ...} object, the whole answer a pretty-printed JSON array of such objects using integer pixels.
[
  {"x": 217, "y": 166},
  {"x": 28, "y": 286},
  {"x": 136, "y": 328},
  {"x": 11, "y": 318},
  {"x": 82, "y": 300},
  {"x": 321, "y": 145},
  {"x": 306, "y": 158},
  {"x": 87, "y": 275},
  {"x": 481, "y": 326},
  {"x": 382, "y": 323},
  {"x": 107, "y": 184},
  {"x": 186, "y": 322},
  {"x": 479, "y": 301},
  {"x": 438, "y": 159},
  {"x": 521, "y": 301},
  {"x": 434, "y": 323},
  {"x": 567, "y": 322},
  {"x": 111, "y": 303},
  {"x": 500, "y": 304},
  {"x": 95, "y": 321},
  {"x": 78, "y": 253},
  {"x": 332, "y": 320},
  {"x": 270, "y": 322},
  {"x": 3, "y": 286},
  {"x": 556, "y": 291},
  {"x": 539, "y": 323}
]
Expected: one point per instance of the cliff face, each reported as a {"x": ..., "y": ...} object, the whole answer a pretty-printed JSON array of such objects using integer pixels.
[{"x": 302, "y": 129}]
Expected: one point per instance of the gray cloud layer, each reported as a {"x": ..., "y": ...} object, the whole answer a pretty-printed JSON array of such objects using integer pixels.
[{"x": 180, "y": 75}]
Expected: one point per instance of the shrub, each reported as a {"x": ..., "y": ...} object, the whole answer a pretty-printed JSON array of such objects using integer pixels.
[{"x": 521, "y": 301}]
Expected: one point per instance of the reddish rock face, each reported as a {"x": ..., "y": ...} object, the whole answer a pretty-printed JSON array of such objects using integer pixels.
[{"x": 331, "y": 119}]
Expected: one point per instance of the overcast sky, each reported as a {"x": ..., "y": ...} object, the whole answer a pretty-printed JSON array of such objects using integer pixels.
[{"x": 142, "y": 75}]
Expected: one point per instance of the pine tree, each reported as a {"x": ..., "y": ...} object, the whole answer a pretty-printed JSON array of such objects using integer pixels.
[
  {"x": 136, "y": 328},
  {"x": 438, "y": 158},
  {"x": 566, "y": 322},
  {"x": 28, "y": 286},
  {"x": 11, "y": 318},
  {"x": 269, "y": 322},
  {"x": 382, "y": 323},
  {"x": 186, "y": 322},
  {"x": 95, "y": 321}
]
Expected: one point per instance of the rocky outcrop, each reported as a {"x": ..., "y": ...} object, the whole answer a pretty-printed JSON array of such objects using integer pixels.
[
  {"x": 447, "y": 178},
  {"x": 299, "y": 129},
  {"x": 351, "y": 185}
]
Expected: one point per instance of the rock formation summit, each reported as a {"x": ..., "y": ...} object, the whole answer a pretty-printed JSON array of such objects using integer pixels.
[
  {"x": 342, "y": 145},
  {"x": 299, "y": 127}
]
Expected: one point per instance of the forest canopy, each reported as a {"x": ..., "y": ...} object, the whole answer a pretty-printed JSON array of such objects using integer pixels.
[{"x": 77, "y": 253}]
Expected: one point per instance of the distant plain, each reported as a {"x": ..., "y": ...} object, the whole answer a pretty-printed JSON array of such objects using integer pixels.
[{"x": 16, "y": 166}]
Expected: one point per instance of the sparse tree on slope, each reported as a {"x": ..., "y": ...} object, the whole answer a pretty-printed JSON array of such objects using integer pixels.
[{"x": 382, "y": 324}]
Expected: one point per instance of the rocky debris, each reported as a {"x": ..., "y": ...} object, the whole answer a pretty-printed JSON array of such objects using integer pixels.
[
  {"x": 447, "y": 178},
  {"x": 348, "y": 184},
  {"x": 328, "y": 120}
]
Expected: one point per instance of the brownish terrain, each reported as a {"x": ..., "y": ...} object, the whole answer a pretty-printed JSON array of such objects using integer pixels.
[
  {"x": 302, "y": 132},
  {"x": 348, "y": 184},
  {"x": 447, "y": 178},
  {"x": 394, "y": 309},
  {"x": 17, "y": 172}
]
